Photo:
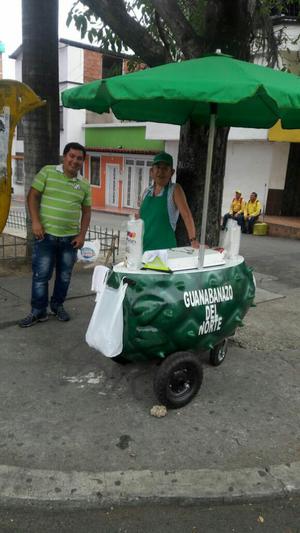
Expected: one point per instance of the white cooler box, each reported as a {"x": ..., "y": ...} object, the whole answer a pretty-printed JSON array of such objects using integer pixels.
[{"x": 183, "y": 258}]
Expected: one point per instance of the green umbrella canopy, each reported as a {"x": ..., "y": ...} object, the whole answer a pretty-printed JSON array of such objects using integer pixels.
[{"x": 247, "y": 95}]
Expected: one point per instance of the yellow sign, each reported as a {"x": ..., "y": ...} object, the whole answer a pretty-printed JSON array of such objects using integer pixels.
[
  {"x": 16, "y": 99},
  {"x": 277, "y": 133}
]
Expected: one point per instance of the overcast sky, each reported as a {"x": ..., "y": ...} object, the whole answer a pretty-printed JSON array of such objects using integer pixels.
[{"x": 11, "y": 29}]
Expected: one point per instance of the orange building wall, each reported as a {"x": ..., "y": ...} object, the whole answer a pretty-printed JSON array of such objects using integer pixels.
[{"x": 98, "y": 193}]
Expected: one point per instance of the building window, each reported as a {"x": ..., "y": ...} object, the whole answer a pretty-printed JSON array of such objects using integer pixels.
[
  {"x": 111, "y": 66},
  {"x": 20, "y": 130},
  {"x": 137, "y": 178},
  {"x": 95, "y": 170},
  {"x": 19, "y": 171},
  {"x": 139, "y": 185},
  {"x": 149, "y": 165},
  {"x": 129, "y": 186}
]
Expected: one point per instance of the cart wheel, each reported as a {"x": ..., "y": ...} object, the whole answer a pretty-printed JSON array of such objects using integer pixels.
[
  {"x": 178, "y": 379},
  {"x": 218, "y": 353}
]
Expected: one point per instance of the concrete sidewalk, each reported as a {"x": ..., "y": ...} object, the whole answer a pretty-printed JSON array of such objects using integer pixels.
[{"x": 76, "y": 428}]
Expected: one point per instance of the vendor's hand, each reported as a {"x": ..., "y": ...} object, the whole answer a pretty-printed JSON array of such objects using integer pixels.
[
  {"x": 38, "y": 230},
  {"x": 78, "y": 241},
  {"x": 195, "y": 244}
]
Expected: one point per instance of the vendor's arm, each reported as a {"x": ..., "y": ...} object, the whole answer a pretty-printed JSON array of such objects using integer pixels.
[
  {"x": 187, "y": 217},
  {"x": 33, "y": 201},
  {"x": 78, "y": 241}
]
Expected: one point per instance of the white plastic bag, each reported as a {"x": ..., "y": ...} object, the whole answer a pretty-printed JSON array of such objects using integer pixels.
[
  {"x": 100, "y": 276},
  {"x": 89, "y": 252},
  {"x": 231, "y": 239},
  {"x": 105, "y": 330}
]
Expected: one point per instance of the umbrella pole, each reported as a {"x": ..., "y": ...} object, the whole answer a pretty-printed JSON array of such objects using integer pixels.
[{"x": 210, "y": 147}]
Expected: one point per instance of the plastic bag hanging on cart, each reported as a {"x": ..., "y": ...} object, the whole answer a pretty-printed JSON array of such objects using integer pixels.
[
  {"x": 105, "y": 330},
  {"x": 231, "y": 239}
]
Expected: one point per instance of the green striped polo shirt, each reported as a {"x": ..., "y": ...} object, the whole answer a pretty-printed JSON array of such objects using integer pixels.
[{"x": 61, "y": 200}]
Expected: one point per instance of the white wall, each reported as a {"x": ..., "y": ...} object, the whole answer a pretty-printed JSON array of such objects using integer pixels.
[
  {"x": 18, "y": 68},
  {"x": 172, "y": 148},
  {"x": 73, "y": 121},
  {"x": 254, "y": 166},
  {"x": 252, "y": 163},
  {"x": 155, "y": 130},
  {"x": 170, "y": 134},
  {"x": 279, "y": 165},
  {"x": 70, "y": 64},
  {"x": 71, "y": 74},
  {"x": 247, "y": 134}
]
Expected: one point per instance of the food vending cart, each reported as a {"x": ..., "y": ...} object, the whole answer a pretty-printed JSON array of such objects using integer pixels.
[{"x": 172, "y": 316}]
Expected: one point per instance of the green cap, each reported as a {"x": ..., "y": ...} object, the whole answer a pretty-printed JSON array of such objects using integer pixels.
[{"x": 163, "y": 157}]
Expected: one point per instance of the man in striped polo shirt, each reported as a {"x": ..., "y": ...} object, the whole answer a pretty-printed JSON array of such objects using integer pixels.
[{"x": 59, "y": 203}]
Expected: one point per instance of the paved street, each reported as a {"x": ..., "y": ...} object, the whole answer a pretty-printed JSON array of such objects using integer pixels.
[
  {"x": 269, "y": 516},
  {"x": 76, "y": 427}
]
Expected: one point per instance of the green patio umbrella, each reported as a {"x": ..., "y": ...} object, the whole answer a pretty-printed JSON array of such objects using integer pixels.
[{"x": 215, "y": 90}]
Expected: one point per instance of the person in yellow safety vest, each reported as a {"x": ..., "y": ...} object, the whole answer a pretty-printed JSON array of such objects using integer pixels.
[
  {"x": 251, "y": 213},
  {"x": 236, "y": 208}
]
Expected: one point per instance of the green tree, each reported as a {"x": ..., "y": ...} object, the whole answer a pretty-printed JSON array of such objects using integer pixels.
[
  {"x": 163, "y": 31},
  {"x": 40, "y": 72}
]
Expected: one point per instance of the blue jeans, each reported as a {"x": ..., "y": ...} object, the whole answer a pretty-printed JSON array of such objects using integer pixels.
[
  {"x": 247, "y": 225},
  {"x": 48, "y": 253}
]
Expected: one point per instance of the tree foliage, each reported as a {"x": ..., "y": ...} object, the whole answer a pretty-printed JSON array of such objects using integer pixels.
[
  {"x": 92, "y": 19},
  {"x": 159, "y": 31}
]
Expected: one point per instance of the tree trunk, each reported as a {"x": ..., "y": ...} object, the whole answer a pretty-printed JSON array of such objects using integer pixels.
[
  {"x": 191, "y": 176},
  {"x": 291, "y": 194},
  {"x": 40, "y": 72},
  {"x": 222, "y": 25},
  {"x": 228, "y": 28}
]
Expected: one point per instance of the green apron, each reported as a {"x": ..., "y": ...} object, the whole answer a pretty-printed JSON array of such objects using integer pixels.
[{"x": 158, "y": 232}]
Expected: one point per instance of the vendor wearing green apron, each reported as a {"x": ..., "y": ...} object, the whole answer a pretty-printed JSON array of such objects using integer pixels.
[{"x": 162, "y": 202}]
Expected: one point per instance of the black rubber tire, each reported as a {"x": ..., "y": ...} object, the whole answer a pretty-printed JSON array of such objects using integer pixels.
[
  {"x": 178, "y": 379},
  {"x": 218, "y": 353}
]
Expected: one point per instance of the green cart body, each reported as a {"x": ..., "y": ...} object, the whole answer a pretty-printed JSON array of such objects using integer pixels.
[{"x": 182, "y": 314}]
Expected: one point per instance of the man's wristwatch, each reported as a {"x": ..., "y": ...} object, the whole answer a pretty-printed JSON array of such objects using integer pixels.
[{"x": 193, "y": 239}]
